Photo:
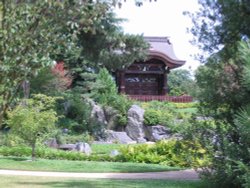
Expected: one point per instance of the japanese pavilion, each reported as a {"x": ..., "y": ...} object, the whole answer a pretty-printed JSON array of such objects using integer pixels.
[{"x": 149, "y": 78}]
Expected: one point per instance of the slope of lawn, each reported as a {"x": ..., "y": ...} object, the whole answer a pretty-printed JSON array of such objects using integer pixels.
[
  {"x": 15, "y": 163},
  {"x": 44, "y": 182}
]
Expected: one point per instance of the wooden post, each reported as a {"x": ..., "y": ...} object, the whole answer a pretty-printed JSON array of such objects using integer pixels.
[
  {"x": 122, "y": 82},
  {"x": 165, "y": 87}
]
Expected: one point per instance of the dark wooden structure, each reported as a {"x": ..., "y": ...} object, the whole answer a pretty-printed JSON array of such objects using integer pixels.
[{"x": 149, "y": 78}]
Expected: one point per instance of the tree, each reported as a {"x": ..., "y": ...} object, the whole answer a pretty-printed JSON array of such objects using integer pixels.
[
  {"x": 220, "y": 24},
  {"x": 226, "y": 137},
  {"x": 34, "y": 33},
  {"x": 30, "y": 32},
  {"x": 32, "y": 119},
  {"x": 224, "y": 93},
  {"x": 180, "y": 82}
]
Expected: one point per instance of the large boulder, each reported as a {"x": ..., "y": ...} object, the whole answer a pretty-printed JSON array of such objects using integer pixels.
[
  {"x": 157, "y": 132},
  {"x": 118, "y": 137},
  {"x": 98, "y": 113},
  {"x": 135, "y": 127},
  {"x": 83, "y": 147},
  {"x": 111, "y": 116}
]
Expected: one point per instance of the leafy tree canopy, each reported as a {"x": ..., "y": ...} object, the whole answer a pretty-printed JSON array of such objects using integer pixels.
[
  {"x": 85, "y": 34},
  {"x": 220, "y": 24},
  {"x": 181, "y": 82}
]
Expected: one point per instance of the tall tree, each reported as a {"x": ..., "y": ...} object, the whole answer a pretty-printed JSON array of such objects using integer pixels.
[
  {"x": 224, "y": 93},
  {"x": 220, "y": 24},
  {"x": 180, "y": 82},
  {"x": 34, "y": 33}
]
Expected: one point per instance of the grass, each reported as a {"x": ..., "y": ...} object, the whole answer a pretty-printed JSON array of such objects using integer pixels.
[
  {"x": 44, "y": 182},
  {"x": 15, "y": 163},
  {"x": 105, "y": 148},
  {"x": 187, "y": 110}
]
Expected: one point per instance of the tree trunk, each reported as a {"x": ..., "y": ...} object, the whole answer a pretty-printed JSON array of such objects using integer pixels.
[{"x": 34, "y": 151}]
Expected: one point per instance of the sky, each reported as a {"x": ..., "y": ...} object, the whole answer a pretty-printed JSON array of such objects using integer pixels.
[{"x": 163, "y": 18}]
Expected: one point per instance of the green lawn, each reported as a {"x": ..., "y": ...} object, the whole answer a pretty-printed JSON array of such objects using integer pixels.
[
  {"x": 43, "y": 182},
  {"x": 187, "y": 110},
  {"x": 105, "y": 148},
  {"x": 16, "y": 163}
]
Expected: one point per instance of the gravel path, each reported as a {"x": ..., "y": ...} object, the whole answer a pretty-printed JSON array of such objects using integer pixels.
[{"x": 173, "y": 175}]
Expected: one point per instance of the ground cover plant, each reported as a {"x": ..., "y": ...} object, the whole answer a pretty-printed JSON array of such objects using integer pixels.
[{"x": 44, "y": 182}]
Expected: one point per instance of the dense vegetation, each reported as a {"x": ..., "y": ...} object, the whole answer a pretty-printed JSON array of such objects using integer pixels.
[
  {"x": 40, "y": 99},
  {"x": 223, "y": 83}
]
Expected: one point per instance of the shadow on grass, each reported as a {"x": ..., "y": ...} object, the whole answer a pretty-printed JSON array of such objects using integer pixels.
[
  {"x": 118, "y": 184},
  {"x": 16, "y": 158}
]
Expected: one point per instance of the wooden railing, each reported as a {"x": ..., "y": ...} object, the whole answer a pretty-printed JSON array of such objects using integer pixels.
[{"x": 145, "y": 98}]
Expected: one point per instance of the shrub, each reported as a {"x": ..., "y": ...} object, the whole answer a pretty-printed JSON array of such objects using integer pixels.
[
  {"x": 72, "y": 139},
  {"x": 105, "y": 93},
  {"x": 155, "y": 117},
  {"x": 172, "y": 153},
  {"x": 49, "y": 153},
  {"x": 75, "y": 113}
]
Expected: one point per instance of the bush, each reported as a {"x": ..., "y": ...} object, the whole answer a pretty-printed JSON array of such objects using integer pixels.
[
  {"x": 75, "y": 113},
  {"x": 48, "y": 153},
  {"x": 72, "y": 139},
  {"x": 158, "y": 117},
  {"x": 171, "y": 153},
  {"x": 105, "y": 93}
]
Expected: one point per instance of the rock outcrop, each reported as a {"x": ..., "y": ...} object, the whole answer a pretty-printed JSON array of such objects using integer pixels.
[
  {"x": 135, "y": 127},
  {"x": 157, "y": 132}
]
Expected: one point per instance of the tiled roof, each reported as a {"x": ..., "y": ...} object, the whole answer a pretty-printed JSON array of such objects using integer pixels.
[{"x": 161, "y": 48}]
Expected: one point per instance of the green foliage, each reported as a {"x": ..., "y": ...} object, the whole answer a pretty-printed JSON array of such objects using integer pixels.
[
  {"x": 105, "y": 93},
  {"x": 158, "y": 113},
  {"x": 72, "y": 139},
  {"x": 86, "y": 35},
  {"x": 29, "y": 34},
  {"x": 217, "y": 24},
  {"x": 104, "y": 88},
  {"x": 48, "y": 153},
  {"x": 170, "y": 153},
  {"x": 8, "y": 139},
  {"x": 76, "y": 113},
  {"x": 180, "y": 82},
  {"x": 185, "y": 105},
  {"x": 33, "y": 119}
]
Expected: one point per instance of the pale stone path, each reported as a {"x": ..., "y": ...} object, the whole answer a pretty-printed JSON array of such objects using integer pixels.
[{"x": 173, "y": 175}]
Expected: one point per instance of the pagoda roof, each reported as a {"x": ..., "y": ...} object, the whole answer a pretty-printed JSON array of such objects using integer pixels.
[{"x": 161, "y": 48}]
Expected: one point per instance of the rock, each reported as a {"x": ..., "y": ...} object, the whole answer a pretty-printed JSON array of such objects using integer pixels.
[
  {"x": 119, "y": 137},
  {"x": 68, "y": 147},
  {"x": 111, "y": 116},
  {"x": 52, "y": 143},
  {"x": 98, "y": 113},
  {"x": 83, "y": 147},
  {"x": 141, "y": 140},
  {"x": 135, "y": 127},
  {"x": 158, "y": 132},
  {"x": 114, "y": 153}
]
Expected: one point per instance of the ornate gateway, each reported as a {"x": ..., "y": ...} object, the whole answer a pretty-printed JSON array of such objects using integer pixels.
[{"x": 150, "y": 77}]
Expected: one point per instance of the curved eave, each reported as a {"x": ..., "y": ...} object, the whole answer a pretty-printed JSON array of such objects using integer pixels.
[{"x": 169, "y": 62}]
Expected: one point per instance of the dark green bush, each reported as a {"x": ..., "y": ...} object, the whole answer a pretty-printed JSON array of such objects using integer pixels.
[{"x": 75, "y": 113}]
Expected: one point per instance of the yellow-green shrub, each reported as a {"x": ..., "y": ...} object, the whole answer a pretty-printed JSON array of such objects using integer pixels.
[{"x": 171, "y": 153}]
